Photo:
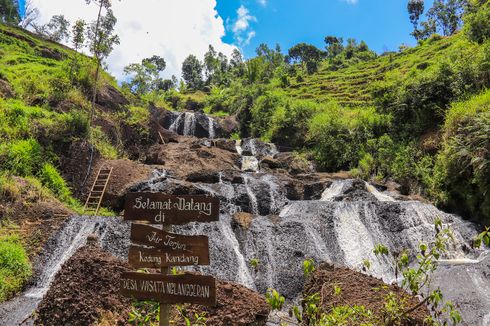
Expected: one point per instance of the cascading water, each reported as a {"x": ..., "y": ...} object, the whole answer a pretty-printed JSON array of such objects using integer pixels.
[
  {"x": 71, "y": 236},
  {"x": 189, "y": 124},
  {"x": 212, "y": 131},
  {"x": 193, "y": 124}
]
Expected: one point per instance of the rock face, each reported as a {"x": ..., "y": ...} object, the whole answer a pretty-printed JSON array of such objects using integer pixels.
[
  {"x": 360, "y": 290},
  {"x": 86, "y": 286},
  {"x": 110, "y": 98}
]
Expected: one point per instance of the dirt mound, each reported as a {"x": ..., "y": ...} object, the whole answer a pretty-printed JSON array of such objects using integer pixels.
[
  {"x": 86, "y": 287},
  {"x": 358, "y": 289},
  {"x": 237, "y": 305}
]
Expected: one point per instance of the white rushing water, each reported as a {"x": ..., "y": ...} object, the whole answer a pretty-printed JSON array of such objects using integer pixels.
[
  {"x": 333, "y": 191},
  {"x": 212, "y": 131}
]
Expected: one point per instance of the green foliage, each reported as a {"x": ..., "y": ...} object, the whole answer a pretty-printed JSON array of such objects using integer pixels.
[
  {"x": 477, "y": 21},
  {"x": 194, "y": 320},
  {"x": 21, "y": 157},
  {"x": 103, "y": 145},
  {"x": 308, "y": 267},
  {"x": 51, "y": 179},
  {"x": 9, "y": 12},
  {"x": 463, "y": 165},
  {"x": 482, "y": 237},
  {"x": 144, "y": 313},
  {"x": 254, "y": 262},
  {"x": 338, "y": 135},
  {"x": 15, "y": 268},
  {"x": 274, "y": 299}
]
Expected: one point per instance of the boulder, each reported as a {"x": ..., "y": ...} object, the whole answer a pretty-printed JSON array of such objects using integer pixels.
[
  {"x": 225, "y": 144},
  {"x": 204, "y": 176},
  {"x": 111, "y": 99}
]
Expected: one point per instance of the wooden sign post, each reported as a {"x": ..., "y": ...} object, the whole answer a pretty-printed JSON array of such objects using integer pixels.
[{"x": 158, "y": 248}]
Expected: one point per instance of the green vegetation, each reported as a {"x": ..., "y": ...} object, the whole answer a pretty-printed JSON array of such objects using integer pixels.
[{"x": 15, "y": 267}]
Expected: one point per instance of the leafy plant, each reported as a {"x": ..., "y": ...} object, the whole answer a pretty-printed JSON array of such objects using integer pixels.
[
  {"x": 274, "y": 299},
  {"x": 308, "y": 267}
]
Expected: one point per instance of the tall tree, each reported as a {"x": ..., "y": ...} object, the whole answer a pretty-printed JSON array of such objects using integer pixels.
[
  {"x": 307, "y": 54},
  {"x": 57, "y": 29},
  {"x": 145, "y": 76},
  {"x": 102, "y": 41},
  {"x": 192, "y": 72},
  {"x": 415, "y": 10},
  {"x": 9, "y": 11},
  {"x": 31, "y": 14},
  {"x": 448, "y": 14},
  {"x": 78, "y": 40},
  {"x": 335, "y": 46}
]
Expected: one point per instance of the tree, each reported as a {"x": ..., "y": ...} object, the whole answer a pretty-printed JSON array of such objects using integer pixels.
[
  {"x": 306, "y": 54},
  {"x": 335, "y": 46},
  {"x": 78, "y": 39},
  {"x": 55, "y": 30},
  {"x": 31, "y": 14},
  {"x": 102, "y": 40},
  {"x": 448, "y": 14},
  {"x": 415, "y": 10},
  {"x": 9, "y": 11},
  {"x": 192, "y": 72},
  {"x": 145, "y": 76}
]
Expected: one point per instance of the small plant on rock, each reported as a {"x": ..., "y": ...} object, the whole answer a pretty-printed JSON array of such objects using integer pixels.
[{"x": 308, "y": 267}]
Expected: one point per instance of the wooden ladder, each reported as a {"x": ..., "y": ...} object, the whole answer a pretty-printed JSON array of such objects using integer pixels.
[{"x": 96, "y": 194}]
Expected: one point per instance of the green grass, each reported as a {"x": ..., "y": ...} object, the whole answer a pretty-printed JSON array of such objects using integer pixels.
[
  {"x": 351, "y": 86},
  {"x": 15, "y": 268}
]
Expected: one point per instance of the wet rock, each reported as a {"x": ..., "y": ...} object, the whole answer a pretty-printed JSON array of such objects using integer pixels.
[
  {"x": 270, "y": 162},
  {"x": 243, "y": 219},
  {"x": 314, "y": 190},
  {"x": 294, "y": 164},
  {"x": 205, "y": 176},
  {"x": 355, "y": 190},
  {"x": 226, "y": 144},
  {"x": 257, "y": 148},
  {"x": 228, "y": 125}
]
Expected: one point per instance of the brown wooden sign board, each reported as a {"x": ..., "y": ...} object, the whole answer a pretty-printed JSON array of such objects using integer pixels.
[
  {"x": 141, "y": 257},
  {"x": 169, "y": 289},
  {"x": 157, "y": 208},
  {"x": 150, "y": 236}
]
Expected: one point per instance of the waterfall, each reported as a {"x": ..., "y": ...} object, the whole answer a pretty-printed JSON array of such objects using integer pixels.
[
  {"x": 333, "y": 191},
  {"x": 253, "y": 199},
  {"x": 189, "y": 124},
  {"x": 212, "y": 132},
  {"x": 176, "y": 123},
  {"x": 70, "y": 237},
  {"x": 380, "y": 196}
]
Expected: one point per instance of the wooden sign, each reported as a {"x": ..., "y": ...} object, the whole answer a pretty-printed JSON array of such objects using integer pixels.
[
  {"x": 157, "y": 208},
  {"x": 169, "y": 289},
  {"x": 141, "y": 257},
  {"x": 150, "y": 236}
]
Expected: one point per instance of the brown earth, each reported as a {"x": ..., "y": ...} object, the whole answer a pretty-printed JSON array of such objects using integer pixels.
[
  {"x": 360, "y": 290},
  {"x": 236, "y": 306},
  {"x": 36, "y": 214},
  {"x": 86, "y": 291},
  {"x": 86, "y": 287}
]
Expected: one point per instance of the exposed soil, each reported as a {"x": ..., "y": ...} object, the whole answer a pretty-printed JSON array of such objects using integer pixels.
[
  {"x": 86, "y": 288},
  {"x": 360, "y": 290},
  {"x": 237, "y": 305},
  {"x": 36, "y": 215}
]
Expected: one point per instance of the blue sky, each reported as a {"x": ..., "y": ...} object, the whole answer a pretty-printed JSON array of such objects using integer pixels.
[
  {"x": 174, "y": 29},
  {"x": 383, "y": 24}
]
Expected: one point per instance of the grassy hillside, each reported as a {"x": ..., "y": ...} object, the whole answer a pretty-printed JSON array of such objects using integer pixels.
[{"x": 352, "y": 86}]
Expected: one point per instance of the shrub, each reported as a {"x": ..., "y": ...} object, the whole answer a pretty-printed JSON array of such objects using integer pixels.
[
  {"x": 339, "y": 135},
  {"x": 51, "y": 179},
  {"x": 21, "y": 157},
  {"x": 463, "y": 166},
  {"x": 477, "y": 22},
  {"x": 15, "y": 268}
]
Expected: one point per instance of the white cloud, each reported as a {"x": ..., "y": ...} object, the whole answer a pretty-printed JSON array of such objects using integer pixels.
[
  {"x": 262, "y": 2},
  {"x": 168, "y": 28},
  {"x": 241, "y": 27},
  {"x": 351, "y": 2}
]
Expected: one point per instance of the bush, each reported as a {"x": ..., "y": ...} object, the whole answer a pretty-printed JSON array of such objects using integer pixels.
[
  {"x": 51, "y": 179},
  {"x": 21, "y": 157},
  {"x": 15, "y": 268},
  {"x": 339, "y": 135},
  {"x": 477, "y": 22},
  {"x": 463, "y": 166}
]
